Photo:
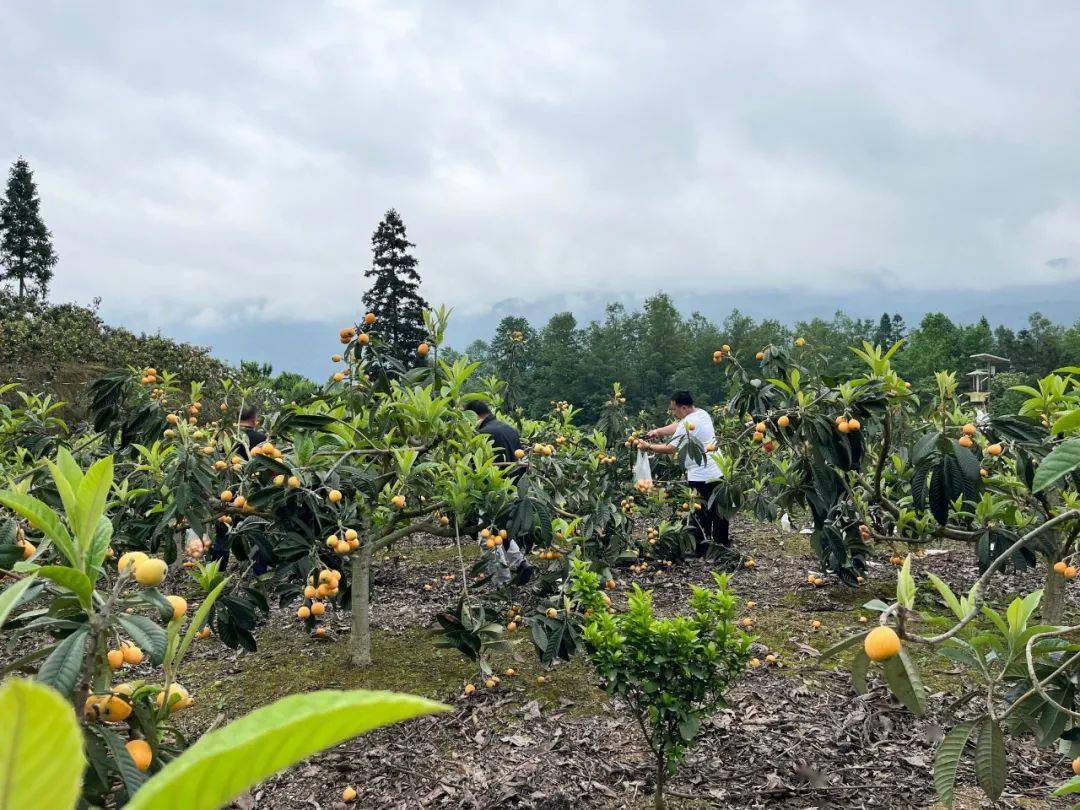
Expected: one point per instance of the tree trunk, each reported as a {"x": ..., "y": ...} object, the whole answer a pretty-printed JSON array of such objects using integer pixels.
[
  {"x": 360, "y": 637},
  {"x": 661, "y": 776},
  {"x": 1053, "y": 601}
]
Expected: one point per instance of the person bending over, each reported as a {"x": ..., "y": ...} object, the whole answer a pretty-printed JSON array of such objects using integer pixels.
[
  {"x": 709, "y": 527},
  {"x": 507, "y": 442}
]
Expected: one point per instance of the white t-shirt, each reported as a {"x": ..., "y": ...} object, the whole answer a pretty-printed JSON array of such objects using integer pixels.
[{"x": 699, "y": 425}]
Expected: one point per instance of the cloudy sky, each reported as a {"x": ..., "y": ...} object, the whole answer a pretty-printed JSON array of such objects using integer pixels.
[{"x": 215, "y": 170}]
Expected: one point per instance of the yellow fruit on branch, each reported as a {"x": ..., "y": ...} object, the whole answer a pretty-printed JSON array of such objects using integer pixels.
[
  {"x": 151, "y": 572},
  {"x": 759, "y": 356},
  {"x": 303, "y": 612},
  {"x": 423, "y": 349},
  {"x": 115, "y": 659},
  {"x": 177, "y": 698},
  {"x": 965, "y": 441},
  {"x": 881, "y": 644},
  {"x": 318, "y": 609},
  {"x": 132, "y": 654},
  {"x": 370, "y": 318},
  {"x": 969, "y": 429},
  {"x": 179, "y": 605},
  {"x": 995, "y": 450},
  {"x": 398, "y": 501},
  {"x": 1060, "y": 567},
  {"x": 552, "y": 613},
  {"x": 140, "y": 753},
  {"x": 334, "y": 496},
  {"x": 783, "y": 421},
  {"x": 800, "y": 342},
  {"x": 107, "y": 708},
  {"x": 130, "y": 559}
]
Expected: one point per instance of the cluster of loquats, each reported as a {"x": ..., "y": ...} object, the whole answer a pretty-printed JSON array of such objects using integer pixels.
[
  {"x": 150, "y": 376},
  {"x": 604, "y": 458},
  {"x": 543, "y": 449},
  {"x": 628, "y": 505},
  {"x": 761, "y": 434},
  {"x": 116, "y": 705},
  {"x": 348, "y": 541},
  {"x": 1066, "y": 570},
  {"x": 493, "y": 537},
  {"x": 517, "y": 336},
  {"x": 846, "y": 424},
  {"x": 719, "y": 355},
  {"x": 316, "y": 592}
]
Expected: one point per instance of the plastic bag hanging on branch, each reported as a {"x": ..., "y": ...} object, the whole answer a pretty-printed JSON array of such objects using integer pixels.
[{"x": 642, "y": 470}]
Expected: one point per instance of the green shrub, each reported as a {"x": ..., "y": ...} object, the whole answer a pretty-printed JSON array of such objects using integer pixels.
[{"x": 671, "y": 673}]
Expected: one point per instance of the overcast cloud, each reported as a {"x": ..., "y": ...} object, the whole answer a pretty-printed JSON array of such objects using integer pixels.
[{"x": 219, "y": 165}]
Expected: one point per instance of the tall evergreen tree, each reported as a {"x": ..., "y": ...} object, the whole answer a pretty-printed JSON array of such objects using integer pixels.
[
  {"x": 26, "y": 252},
  {"x": 395, "y": 293}
]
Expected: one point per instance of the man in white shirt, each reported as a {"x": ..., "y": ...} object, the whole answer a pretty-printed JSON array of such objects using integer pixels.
[{"x": 700, "y": 476}]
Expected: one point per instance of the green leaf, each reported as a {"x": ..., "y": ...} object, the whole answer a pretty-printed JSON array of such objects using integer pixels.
[
  {"x": 947, "y": 760},
  {"x": 199, "y": 620},
  {"x": 41, "y": 749},
  {"x": 42, "y": 518},
  {"x": 947, "y": 595},
  {"x": 67, "y": 493},
  {"x": 990, "y": 762},
  {"x": 61, "y": 669},
  {"x": 129, "y": 771},
  {"x": 1069, "y": 423},
  {"x": 859, "y": 666},
  {"x": 92, "y": 494},
  {"x": 905, "y": 585},
  {"x": 9, "y": 598},
  {"x": 69, "y": 468},
  {"x": 1063, "y": 459},
  {"x": 71, "y": 578},
  {"x": 99, "y": 548},
  {"x": 842, "y": 645},
  {"x": 224, "y": 763},
  {"x": 147, "y": 634},
  {"x": 1072, "y": 786},
  {"x": 902, "y": 676}
]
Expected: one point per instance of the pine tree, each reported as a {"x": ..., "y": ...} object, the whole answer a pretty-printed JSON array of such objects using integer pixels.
[
  {"x": 394, "y": 295},
  {"x": 26, "y": 251}
]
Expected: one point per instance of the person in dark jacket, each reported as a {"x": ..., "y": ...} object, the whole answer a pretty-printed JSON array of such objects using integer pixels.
[
  {"x": 507, "y": 442},
  {"x": 505, "y": 437}
]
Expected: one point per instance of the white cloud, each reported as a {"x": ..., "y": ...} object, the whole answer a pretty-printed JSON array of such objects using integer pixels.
[{"x": 227, "y": 164}]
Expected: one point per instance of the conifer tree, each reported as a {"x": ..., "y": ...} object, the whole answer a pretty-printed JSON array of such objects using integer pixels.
[
  {"x": 26, "y": 252},
  {"x": 394, "y": 295}
]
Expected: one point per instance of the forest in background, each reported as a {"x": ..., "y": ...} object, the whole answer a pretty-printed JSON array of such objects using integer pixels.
[{"x": 656, "y": 349}]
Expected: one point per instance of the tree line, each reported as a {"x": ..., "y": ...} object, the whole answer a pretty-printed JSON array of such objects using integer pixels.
[{"x": 656, "y": 349}]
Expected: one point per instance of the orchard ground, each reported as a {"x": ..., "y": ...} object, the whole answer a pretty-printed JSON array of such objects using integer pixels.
[{"x": 795, "y": 734}]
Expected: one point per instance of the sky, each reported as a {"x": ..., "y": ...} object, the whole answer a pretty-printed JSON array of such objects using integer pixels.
[{"x": 215, "y": 170}]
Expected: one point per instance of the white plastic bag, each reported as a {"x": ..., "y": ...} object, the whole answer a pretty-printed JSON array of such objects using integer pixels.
[{"x": 642, "y": 470}]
